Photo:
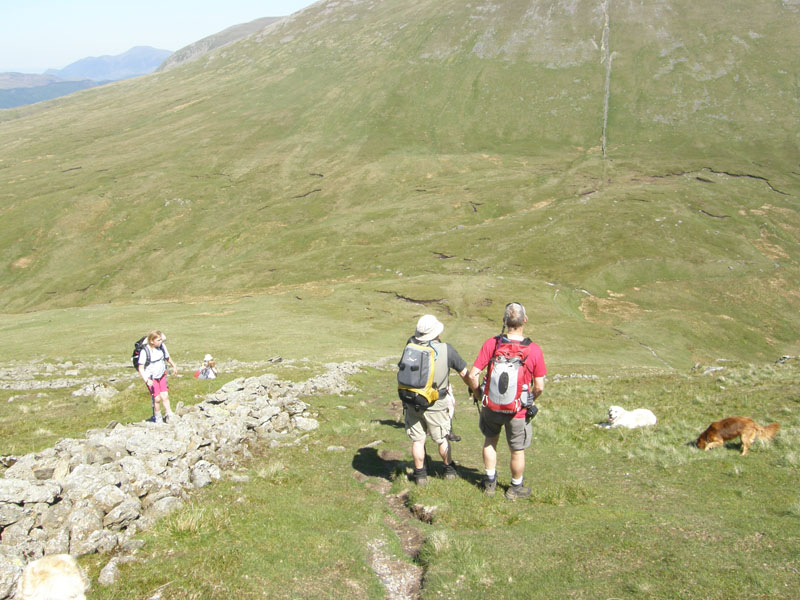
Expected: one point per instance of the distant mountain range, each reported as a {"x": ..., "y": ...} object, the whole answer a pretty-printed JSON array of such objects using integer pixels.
[
  {"x": 18, "y": 89},
  {"x": 139, "y": 60}
]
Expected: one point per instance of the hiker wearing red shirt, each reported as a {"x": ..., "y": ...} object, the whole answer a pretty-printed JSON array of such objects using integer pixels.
[{"x": 514, "y": 379}]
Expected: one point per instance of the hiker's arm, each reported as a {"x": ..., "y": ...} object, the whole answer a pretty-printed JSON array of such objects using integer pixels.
[
  {"x": 538, "y": 386},
  {"x": 465, "y": 376},
  {"x": 141, "y": 372},
  {"x": 472, "y": 379},
  {"x": 481, "y": 362},
  {"x": 172, "y": 364}
]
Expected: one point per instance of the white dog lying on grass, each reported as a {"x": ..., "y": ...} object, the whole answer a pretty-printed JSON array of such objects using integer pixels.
[
  {"x": 53, "y": 577},
  {"x": 630, "y": 419}
]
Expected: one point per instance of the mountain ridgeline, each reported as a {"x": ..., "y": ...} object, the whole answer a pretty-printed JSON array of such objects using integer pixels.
[
  {"x": 629, "y": 169},
  {"x": 137, "y": 61},
  {"x": 212, "y": 42}
]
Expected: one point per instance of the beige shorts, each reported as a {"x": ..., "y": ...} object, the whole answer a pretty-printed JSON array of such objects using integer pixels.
[{"x": 434, "y": 421}]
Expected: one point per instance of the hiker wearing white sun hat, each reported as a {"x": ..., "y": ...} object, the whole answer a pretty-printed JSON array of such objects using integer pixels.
[
  {"x": 209, "y": 370},
  {"x": 434, "y": 419}
]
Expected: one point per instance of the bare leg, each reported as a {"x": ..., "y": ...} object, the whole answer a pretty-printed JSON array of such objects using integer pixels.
[
  {"x": 165, "y": 403},
  {"x": 517, "y": 464},
  {"x": 418, "y": 454},
  {"x": 490, "y": 453},
  {"x": 157, "y": 416},
  {"x": 444, "y": 452}
]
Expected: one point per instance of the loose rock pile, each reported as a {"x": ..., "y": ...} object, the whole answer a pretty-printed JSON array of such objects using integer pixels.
[{"x": 95, "y": 494}]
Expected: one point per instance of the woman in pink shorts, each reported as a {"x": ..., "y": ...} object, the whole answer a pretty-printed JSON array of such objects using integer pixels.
[{"x": 153, "y": 360}]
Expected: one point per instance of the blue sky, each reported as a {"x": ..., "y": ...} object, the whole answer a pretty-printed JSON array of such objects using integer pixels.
[{"x": 36, "y": 35}]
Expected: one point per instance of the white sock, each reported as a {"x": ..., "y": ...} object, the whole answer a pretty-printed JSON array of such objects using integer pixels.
[
  {"x": 517, "y": 481},
  {"x": 491, "y": 473}
]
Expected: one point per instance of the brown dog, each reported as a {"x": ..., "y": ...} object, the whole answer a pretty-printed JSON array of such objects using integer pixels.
[{"x": 720, "y": 432}]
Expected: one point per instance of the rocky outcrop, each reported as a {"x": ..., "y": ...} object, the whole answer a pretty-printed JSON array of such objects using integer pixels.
[{"x": 93, "y": 494}]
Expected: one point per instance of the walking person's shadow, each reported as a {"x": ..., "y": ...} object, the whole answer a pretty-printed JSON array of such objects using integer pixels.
[{"x": 368, "y": 461}]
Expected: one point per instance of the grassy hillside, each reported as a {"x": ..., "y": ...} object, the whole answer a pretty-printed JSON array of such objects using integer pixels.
[{"x": 630, "y": 172}]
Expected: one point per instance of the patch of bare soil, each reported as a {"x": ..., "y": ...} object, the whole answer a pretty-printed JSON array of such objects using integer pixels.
[
  {"x": 607, "y": 310},
  {"x": 405, "y": 524},
  {"x": 401, "y": 579},
  {"x": 399, "y": 575}
]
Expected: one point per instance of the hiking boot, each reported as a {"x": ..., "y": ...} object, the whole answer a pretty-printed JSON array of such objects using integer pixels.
[
  {"x": 159, "y": 419},
  {"x": 489, "y": 485},
  {"x": 453, "y": 437},
  {"x": 517, "y": 491},
  {"x": 421, "y": 477},
  {"x": 450, "y": 472}
]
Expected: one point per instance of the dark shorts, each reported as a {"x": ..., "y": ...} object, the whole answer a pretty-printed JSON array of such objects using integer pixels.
[{"x": 518, "y": 431}]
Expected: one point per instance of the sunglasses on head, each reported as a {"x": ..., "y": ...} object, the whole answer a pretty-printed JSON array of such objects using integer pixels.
[{"x": 524, "y": 314}]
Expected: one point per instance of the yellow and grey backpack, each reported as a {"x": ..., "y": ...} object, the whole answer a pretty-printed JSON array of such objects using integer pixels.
[{"x": 415, "y": 384}]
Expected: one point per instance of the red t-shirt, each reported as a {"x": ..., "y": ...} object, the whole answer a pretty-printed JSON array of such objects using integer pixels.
[{"x": 534, "y": 365}]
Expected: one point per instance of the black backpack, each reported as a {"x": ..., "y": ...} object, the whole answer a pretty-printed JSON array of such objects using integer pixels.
[{"x": 137, "y": 350}]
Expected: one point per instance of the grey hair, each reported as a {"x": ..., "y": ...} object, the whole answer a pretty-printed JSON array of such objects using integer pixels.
[{"x": 514, "y": 316}]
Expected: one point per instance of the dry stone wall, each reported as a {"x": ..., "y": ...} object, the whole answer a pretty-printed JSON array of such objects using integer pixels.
[{"x": 94, "y": 494}]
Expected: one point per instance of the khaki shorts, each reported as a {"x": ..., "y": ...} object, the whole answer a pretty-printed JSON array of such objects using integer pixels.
[
  {"x": 518, "y": 431},
  {"x": 433, "y": 421}
]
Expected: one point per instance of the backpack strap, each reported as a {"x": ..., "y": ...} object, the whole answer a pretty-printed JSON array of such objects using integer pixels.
[
  {"x": 148, "y": 361},
  {"x": 526, "y": 342},
  {"x": 441, "y": 370},
  {"x": 413, "y": 340},
  {"x": 497, "y": 340}
]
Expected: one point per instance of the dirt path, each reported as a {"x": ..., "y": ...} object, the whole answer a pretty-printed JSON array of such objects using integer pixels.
[{"x": 402, "y": 577}]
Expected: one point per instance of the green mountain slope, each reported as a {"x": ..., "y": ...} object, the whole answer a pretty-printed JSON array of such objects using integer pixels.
[
  {"x": 20, "y": 96},
  {"x": 630, "y": 169},
  {"x": 211, "y": 42}
]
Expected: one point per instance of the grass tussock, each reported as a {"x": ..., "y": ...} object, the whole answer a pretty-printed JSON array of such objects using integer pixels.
[
  {"x": 195, "y": 520},
  {"x": 274, "y": 472}
]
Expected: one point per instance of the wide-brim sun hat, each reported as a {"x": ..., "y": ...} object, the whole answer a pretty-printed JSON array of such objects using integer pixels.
[
  {"x": 208, "y": 357},
  {"x": 428, "y": 328}
]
